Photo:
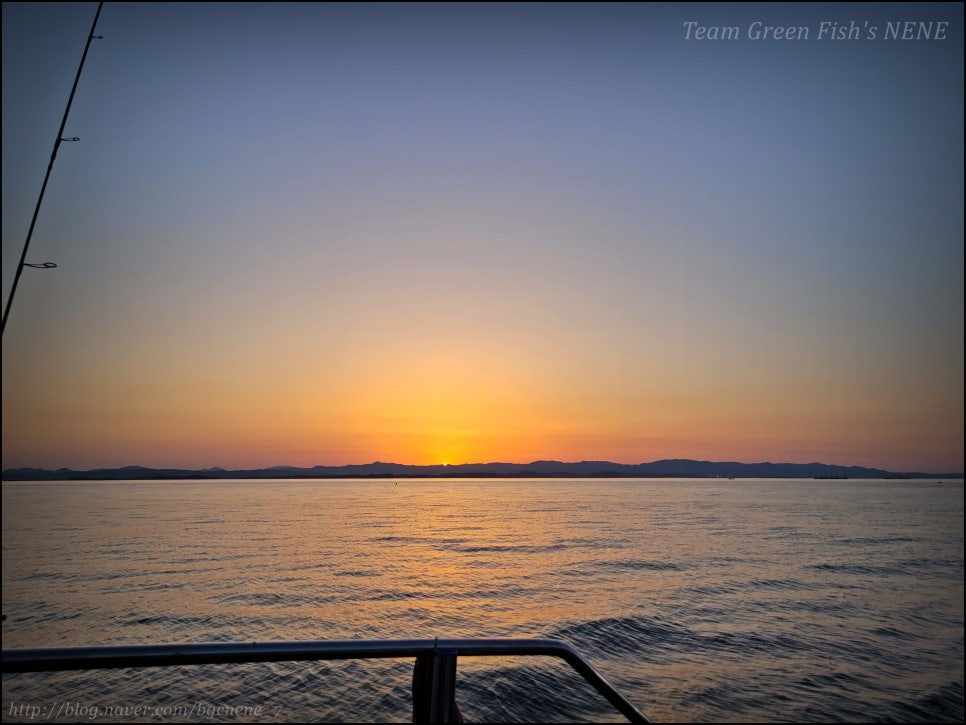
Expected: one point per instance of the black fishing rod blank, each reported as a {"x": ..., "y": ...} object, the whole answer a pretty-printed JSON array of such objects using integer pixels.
[{"x": 40, "y": 199}]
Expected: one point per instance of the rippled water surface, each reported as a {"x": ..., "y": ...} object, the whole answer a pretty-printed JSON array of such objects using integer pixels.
[{"x": 701, "y": 600}]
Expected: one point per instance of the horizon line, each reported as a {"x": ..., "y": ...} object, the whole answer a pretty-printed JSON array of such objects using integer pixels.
[{"x": 539, "y": 461}]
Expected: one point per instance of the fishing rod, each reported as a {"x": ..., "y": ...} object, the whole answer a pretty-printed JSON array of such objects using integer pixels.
[{"x": 40, "y": 199}]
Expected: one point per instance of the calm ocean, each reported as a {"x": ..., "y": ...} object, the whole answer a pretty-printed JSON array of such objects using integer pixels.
[{"x": 701, "y": 600}]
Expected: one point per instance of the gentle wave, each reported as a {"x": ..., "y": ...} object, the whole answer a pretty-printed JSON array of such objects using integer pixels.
[{"x": 778, "y": 601}]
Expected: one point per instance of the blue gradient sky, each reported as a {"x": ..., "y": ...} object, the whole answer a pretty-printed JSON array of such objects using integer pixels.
[{"x": 322, "y": 234}]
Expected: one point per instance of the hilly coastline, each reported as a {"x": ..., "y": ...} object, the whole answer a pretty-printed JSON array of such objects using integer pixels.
[{"x": 669, "y": 468}]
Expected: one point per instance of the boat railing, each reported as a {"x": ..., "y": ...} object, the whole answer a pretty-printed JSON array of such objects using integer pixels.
[{"x": 433, "y": 700}]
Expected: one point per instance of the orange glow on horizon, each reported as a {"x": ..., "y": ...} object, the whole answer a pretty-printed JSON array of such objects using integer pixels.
[{"x": 483, "y": 397}]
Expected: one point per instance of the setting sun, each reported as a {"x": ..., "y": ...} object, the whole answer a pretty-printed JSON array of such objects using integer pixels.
[
  {"x": 472, "y": 250},
  {"x": 623, "y": 332}
]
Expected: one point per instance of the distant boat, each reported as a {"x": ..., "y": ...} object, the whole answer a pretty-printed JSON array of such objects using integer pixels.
[{"x": 837, "y": 478}]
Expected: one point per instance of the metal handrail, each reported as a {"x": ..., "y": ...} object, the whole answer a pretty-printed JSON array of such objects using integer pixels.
[{"x": 167, "y": 655}]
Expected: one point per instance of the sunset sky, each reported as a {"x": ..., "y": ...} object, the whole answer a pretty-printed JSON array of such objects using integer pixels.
[{"x": 442, "y": 233}]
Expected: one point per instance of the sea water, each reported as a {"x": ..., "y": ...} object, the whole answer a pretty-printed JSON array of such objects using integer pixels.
[{"x": 701, "y": 600}]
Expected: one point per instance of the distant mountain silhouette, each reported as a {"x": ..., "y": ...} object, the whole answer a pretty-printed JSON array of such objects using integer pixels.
[{"x": 669, "y": 468}]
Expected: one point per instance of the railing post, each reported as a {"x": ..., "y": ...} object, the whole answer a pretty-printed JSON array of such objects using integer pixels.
[{"x": 434, "y": 688}]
